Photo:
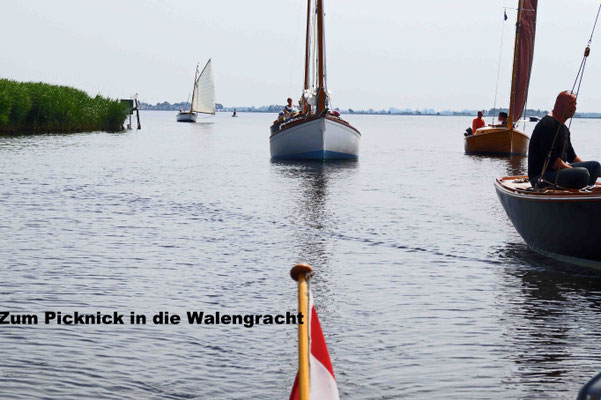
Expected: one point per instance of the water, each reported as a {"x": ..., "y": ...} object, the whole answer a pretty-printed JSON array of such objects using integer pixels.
[{"x": 423, "y": 286}]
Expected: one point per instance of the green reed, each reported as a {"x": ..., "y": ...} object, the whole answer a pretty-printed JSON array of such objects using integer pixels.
[{"x": 40, "y": 107}]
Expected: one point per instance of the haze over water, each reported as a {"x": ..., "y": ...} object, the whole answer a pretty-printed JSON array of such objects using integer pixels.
[{"x": 423, "y": 287}]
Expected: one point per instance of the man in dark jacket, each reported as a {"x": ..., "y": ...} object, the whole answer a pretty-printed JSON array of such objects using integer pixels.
[{"x": 564, "y": 165}]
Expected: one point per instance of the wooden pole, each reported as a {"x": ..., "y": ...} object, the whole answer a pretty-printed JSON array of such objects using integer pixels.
[
  {"x": 321, "y": 95},
  {"x": 307, "y": 44},
  {"x": 515, "y": 58},
  {"x": 194, "y": 87},
  {"x": 138, "y": 114},
  {"x": 301, "y": 273}
]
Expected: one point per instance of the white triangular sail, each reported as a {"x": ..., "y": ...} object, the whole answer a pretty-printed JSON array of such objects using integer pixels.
[{"x": 204, "y": 92}]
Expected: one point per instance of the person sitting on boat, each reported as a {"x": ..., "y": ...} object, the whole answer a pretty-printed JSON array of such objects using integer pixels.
[
  {"x": 289, "y": 109},
  {"x": 502, "y": 120},
  {"x": 551, "y": 134},
  {"x": 478, "y": 122}
]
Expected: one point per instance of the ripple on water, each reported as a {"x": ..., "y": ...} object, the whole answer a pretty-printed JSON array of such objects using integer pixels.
[{"x": 423, "y": 287}]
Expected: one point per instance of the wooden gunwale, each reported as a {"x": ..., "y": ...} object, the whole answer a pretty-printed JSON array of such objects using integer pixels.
[
  {"x": 493, "y": 130},
  {"x": 497, "y": 140},
  {"x": 564, "y": 196},
  {"x": 314, "y": 118}
]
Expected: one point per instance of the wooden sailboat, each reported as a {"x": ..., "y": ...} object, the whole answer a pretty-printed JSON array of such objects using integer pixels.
[
  {"x": 506, "y": 140},
  {"x": 558, "y": 222},
  {"x": 203, "y": 95},
  {"x": 561, "y": 223},
  {"x": 314, "y": 132}
]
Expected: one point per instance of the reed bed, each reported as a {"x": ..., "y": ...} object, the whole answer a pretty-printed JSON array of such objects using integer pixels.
[{"x": 40, "y": 108}]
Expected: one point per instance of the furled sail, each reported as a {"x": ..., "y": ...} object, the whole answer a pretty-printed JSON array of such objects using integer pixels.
[
  {"x": 313, "y": 64},
  {"x": 204, "y": 92},
  {"x": 526, "y": 31}
]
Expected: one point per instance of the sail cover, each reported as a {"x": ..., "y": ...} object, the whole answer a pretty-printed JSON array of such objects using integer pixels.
[
  {"x": 204, "y": 92},
  {"x": 526, "y": 31}
]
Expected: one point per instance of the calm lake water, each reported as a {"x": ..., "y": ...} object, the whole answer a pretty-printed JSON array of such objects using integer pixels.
[{"x": 423, "y": 287}]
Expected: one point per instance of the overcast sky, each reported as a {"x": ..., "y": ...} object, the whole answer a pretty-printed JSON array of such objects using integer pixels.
[{"x": 380, "y": 53}]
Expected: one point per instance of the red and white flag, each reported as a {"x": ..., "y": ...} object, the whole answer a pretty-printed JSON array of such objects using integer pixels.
[{"x": 322, "y": 384}]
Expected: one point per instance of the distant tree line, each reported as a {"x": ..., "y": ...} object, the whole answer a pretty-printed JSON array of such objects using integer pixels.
[
  {"x": 275, "y": 108},
  {"x": 530, "y": 112}
]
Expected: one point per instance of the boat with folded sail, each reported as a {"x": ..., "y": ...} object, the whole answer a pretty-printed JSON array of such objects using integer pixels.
[
  {"x": 507, "y": 140},
  {"x": 315, "y": 132},
  {"x": 557, "y": 221}
]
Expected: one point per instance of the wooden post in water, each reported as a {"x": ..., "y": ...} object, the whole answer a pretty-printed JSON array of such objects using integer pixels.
[
  {"x": 133, "y": 106},
  {"x": 138, "y": 113},
  {"x": 301, "y": 273}
]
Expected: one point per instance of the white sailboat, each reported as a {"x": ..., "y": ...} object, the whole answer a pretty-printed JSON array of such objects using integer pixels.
[
  {"x": 315, "y": 132},
  {"x": 203, "y": 95}
]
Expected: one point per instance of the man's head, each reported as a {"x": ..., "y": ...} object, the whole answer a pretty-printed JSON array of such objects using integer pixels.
[
  {"x": 565, "y": 106},
  {"x": 502, "y": 116},
  {"x": 480, "y": 114},
  {"x": 289, "y": 100}
]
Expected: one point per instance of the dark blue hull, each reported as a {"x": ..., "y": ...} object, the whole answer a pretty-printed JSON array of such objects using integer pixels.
[
  {"x": 566, "y": 224},
  {"x": 319, "y": 155}
]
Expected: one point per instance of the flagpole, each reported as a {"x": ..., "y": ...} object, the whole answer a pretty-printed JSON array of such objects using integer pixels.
[{"x": 301, "y": 273}]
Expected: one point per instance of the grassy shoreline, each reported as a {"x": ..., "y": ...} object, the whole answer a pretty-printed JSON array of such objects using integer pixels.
[{"x": 36, "y": 107}]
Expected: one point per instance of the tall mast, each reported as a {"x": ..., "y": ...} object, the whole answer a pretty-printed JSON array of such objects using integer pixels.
[
  {"x": 307, "y": 45},
  {"x": 515, "y": 57},
  {"x": 194, "y": 88},
  {"x": 321, "y": 95}
]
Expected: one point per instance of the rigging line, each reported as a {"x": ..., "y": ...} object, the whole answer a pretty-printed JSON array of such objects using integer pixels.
[
  {"x": 586, "y": 54},
  {"x": 325, "y": 65},
  {"x": 595, "y": 25},
  {"x": 291, "y": 62},
  {"x": 578, "y": 79},
  {"x": 518, "y": 9},
  {"x": 524, "y": 116},
  {"x": 498, "y": 69},
  {"x": 547, "y": 159},
  {"x": 314, "y": 48}
]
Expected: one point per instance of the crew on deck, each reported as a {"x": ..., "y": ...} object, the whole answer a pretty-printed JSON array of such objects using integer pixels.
[
  {"x": 289, "y": 109},
  {"x": 478, "y": 122},
  {"x": 502, "y": 120},
  {"x": 573, "y": 172}
]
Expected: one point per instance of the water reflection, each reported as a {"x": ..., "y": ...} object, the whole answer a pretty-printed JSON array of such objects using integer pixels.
[
  {"x": 517, "y": 165},
  {"x": 513, "y": 165},
  {"x": 550, "y": 316},
  {"x": 312, "y": 218}
]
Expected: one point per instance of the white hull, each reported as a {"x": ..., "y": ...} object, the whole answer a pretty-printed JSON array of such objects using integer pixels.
[
  {"x": 319, "y": 139},
  {"x": 186, "y": 117}
]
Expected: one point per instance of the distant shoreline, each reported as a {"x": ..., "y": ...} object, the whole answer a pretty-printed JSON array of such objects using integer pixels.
[{"x": 273, "y": 109}]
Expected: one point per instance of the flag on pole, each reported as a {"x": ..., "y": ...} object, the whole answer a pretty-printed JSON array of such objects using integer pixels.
[{"x": 322, "y": 383}]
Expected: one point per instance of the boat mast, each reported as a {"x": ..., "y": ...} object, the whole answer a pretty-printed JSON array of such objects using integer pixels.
[
  {"x": 515, "y": 57},
  {"x": 307, "y": 45},
  {"x": 194, "y": 87},
  {"x": 321, "y": 95}
]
